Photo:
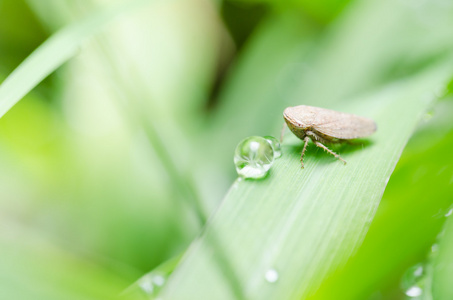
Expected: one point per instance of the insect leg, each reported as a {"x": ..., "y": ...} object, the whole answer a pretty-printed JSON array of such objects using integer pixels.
[
  {"x": 282, "y": 132},
  {"x": 328, "y": 150},
  {"x": 306, "y": 139}
]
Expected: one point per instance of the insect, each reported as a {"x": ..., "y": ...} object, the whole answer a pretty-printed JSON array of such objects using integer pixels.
[{"x": 325, "y": 126}]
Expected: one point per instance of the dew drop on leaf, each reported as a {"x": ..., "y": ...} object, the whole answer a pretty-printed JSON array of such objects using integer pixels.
[
  {"x": 271, "y": 275},
  {"x": 147, "y": 286},
  {"x": 412, "y": 281},
  {"x": 151, "y": 284},
  {"x": 253, "y": 157}
]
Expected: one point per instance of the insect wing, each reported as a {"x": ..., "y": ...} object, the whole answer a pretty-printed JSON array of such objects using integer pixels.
[
  {"x": 308, "y": 115},
  {"x": 343, "y": 126}
]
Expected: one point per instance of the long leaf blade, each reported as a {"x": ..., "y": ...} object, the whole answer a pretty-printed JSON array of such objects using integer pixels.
[{"x": 321, "y": 212}]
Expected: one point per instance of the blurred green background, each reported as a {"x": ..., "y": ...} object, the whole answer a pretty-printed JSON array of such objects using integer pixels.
[{"x": 111, "y": 166}]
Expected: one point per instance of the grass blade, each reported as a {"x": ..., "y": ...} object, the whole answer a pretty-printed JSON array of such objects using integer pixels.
[
  {"x": 306, "y": 223},
  {"x": 411, "y": 213}
]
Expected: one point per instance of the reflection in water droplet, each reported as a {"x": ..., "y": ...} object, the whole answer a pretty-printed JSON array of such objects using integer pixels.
[
  {"x": 275, "y": 145},
  {"x": 271, "y": 275},
  {"x": 414, "y": 291},
  {"x": 418, "y": 271},
  {"x": 253, "y": 157}
]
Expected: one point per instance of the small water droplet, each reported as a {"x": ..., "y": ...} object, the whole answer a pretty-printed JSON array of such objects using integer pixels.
[
  {"x": 414, "y": 291},
  {"x": 159, "y": 280},
  {"x": 151, "y": 284},
  {"x": 271, "y": 275},
  {"x": 275, "y": 145},
  {"x": 434, "y": 247},
  {"x": 412, "y": 281},
  {"x": 449, "y": 212},
  {"x": 411, "y": 276},
  {"x": 147, "y": 285},
  {"x": 253, "y": 157}
]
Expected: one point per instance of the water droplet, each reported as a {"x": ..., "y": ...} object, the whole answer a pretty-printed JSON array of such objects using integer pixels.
[
  {"x": 449, "y": 212},
  {"x": 253, "y": 157},
  {"x": 435, "y": 247},
  {"x": 412, "y": 275},
  {"x": 414, "y": 291},
  {"x": 151, "y": 284},
  {"x": 412, "y": 281},
  {"x": 275, "y": 145},
  {"x": 271, "y": 275},
  {"x": 159, "y": 280},
  {"x": 146, "y": 284}
]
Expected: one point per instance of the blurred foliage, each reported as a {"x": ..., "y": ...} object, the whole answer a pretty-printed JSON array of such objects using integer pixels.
[
  {"x": 318, "y": 12},
  {"x": 109, "y": 167},
  {"x": 20, "y": 32}
]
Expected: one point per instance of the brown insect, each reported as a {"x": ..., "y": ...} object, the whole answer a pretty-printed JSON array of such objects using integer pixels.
[{"x": 325, "y": 126}]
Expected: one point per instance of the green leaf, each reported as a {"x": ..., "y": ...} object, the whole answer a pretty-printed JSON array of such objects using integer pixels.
[
  {"x": 305, "y": 223},
  {"x": 408, "y": 220}
]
